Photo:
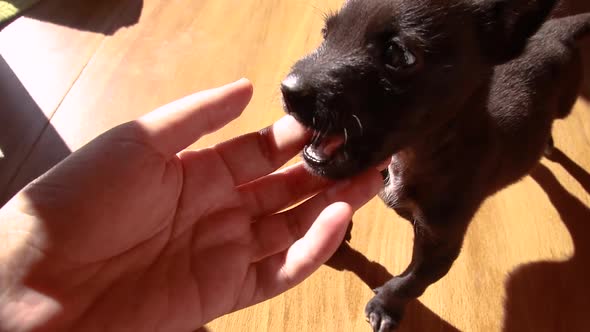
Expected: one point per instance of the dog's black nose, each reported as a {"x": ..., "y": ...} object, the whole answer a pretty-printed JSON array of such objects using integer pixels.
[{"x": 298, "y": 96}]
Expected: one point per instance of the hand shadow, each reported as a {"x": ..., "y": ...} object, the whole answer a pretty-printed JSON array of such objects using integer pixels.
[
  {"x": 104, "y": 17},
  {"x": 417, "y": 316},
  {"x": 548, "y": 295}
]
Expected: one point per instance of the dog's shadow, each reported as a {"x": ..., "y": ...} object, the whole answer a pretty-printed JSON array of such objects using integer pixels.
[
  {"x": 549, "y": 295},
  {"x": 417, "y": 316}
]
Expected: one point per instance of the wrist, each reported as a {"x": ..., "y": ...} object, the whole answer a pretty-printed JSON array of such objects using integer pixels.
[
  {"x": 23, "y": 309},
  {"x": 22, "y": 306}
]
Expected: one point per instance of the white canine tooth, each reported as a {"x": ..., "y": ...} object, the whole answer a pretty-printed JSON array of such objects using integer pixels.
[
  {"x": 313, "y": 153},
  {"x": 359, "y": 122}
]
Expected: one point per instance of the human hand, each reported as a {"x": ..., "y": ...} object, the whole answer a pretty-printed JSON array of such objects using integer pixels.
[{"x": 129, "y": 233}]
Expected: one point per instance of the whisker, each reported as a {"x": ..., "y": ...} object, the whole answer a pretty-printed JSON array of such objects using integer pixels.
[
  {"x": 359, "y": 123},
  {"x": 325, "y": 130},
  {"x": 316, "y": 137},
  {"x": 321, "y": 129},
  {"x": 345, "y": 136}
]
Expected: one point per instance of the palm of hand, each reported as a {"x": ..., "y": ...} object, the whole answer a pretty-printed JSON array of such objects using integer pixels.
[
  {"x": 150, "y": 239},
  {"x": 183, "y": 240}
]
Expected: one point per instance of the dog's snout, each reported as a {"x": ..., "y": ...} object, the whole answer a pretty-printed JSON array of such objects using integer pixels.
[
  {"x": 294, "y": 85},
  {"x": 298, "y": 95}
]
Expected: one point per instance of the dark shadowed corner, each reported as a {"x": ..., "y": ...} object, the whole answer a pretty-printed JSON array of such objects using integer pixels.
[
  {"x": 104, "y": 17},
  {"x": 22, "y": 122},
  {"x": 548, "y": 295},
  {"x": 417, "y": 316},
  {"x": 585, "y": 91}
]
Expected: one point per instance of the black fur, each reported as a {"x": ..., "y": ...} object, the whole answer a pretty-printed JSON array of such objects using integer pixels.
[{"x": 462, "y": 94}]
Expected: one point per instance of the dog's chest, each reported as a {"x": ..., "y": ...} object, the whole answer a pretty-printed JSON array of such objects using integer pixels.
[{"x": 396, "y": 190}]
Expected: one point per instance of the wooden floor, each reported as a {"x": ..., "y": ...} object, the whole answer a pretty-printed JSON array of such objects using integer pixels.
[{"x": 71, "y": 69}]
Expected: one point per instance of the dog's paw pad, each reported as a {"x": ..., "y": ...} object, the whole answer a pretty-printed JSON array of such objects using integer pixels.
[{"x": 381, "y": 319}]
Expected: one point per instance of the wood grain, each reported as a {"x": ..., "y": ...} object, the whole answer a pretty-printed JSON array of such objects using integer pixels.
[{"x": 524, "y": 266}]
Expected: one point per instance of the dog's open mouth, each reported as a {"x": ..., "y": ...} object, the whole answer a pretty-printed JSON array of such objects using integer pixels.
[
  {"x": 324, "y": 149},
  {"x": 338, "y": 149}
]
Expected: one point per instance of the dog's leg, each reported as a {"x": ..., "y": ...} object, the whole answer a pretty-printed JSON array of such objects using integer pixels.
[{"x": 433, "y": 254}]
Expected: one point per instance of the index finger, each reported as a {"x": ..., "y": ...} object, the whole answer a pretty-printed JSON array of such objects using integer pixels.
[
  {"x": 251, "y": 156},
  {"x": 175, "y": 126}
]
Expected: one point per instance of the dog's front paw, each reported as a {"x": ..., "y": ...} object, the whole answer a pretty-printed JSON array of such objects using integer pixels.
[{"x": 381, "y": 318}]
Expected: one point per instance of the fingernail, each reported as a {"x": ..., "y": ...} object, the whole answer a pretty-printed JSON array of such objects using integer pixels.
[{"x": 242, "y": 80}]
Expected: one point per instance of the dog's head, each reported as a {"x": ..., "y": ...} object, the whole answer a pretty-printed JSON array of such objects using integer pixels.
[{"x": 390, "y": 71}]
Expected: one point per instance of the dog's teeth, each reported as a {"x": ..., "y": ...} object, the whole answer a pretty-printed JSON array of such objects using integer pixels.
[
  {"x": 324, "y": 149},
  {"x": 313, "y": 153},
  {"x": 315, "y": 138}
]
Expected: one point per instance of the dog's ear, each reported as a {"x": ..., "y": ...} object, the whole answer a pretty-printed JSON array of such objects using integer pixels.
[{"x": 506, "y": 25}]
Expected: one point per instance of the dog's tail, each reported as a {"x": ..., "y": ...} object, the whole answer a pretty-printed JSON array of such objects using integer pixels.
[{"x": 569, "y": 29}]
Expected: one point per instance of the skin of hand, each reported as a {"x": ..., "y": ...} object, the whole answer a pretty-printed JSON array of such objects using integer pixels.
[{"x": 132, "y": 233}]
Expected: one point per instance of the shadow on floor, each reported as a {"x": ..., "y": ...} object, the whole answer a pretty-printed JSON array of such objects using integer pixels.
[
  {"x": 22, "y": 122},
  {"x": 417, "y": 316},
  {"x": 106, "y": 16},
  {"x": 549, "y": 295}
]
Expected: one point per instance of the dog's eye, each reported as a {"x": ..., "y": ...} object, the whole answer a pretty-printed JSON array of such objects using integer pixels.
[
  {"x": 394, "y": 56},
  {"x": 398, "y": 57},
  {"x": 409, "y": 58}
]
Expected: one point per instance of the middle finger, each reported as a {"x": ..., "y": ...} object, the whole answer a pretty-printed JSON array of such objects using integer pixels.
[{"x": 280, "y": 190}]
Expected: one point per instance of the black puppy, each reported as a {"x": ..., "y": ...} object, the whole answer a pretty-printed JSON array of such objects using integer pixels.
[{"x": 462, "y": 94}]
